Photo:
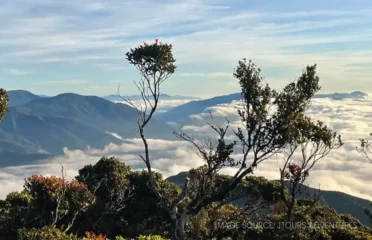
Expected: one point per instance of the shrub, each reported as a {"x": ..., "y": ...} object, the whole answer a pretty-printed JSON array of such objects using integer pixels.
[{"x": 45, "y": 233}]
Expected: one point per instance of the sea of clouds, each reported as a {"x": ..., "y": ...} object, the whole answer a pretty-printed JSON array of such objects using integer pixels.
[{"x": 344, "y": 169}]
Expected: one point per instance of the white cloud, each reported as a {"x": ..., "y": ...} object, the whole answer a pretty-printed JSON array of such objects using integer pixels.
[
  {"x": 63, "y": 82},
  {"x": 169, "y": 158},
  {"x": 17, "y": 72}
]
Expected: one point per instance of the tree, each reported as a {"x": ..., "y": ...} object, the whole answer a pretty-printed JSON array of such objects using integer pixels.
[
  {"x": 45, "y": 201},
  {"x": 313, "y": 140},
  {"x": 253, "y": 201},
  {"x": 155, "y": 63},
  {"x": 4, "y": 100},
  {"x": 52, "y": 233},
  {"x": 264, "y": 135},
  {"x": 12, "y": 213},
  {"x": 108, "y": 181},
  {"x": 366, "y": 150},
  {"x": 55, "y": 201},
  {"x": 125, "y": 205},
  {"x": 318, "y": 223},
  {"x": 313, "y": 144}
]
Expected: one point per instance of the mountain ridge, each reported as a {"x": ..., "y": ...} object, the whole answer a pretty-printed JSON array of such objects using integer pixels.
[
  {"x": 182, "y": 112},
  {"x": 47, "y": 125},
  {"x": 20, "y": 97}
]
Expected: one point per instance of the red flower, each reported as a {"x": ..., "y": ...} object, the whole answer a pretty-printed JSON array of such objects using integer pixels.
[
  {"x": 90, "y": 235},
  {"x": 294, "y": 168}
]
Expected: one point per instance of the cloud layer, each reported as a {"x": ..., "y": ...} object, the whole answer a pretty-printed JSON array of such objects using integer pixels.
[{"x": 343, "y": 170}]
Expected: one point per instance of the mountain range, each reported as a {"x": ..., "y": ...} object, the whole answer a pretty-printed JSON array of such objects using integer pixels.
[{"x": 42, "y": 127}]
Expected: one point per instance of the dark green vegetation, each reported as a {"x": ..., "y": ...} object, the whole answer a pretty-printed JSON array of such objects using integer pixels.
[
  {"x": 44, "y": 126},
  {"x": 341, "y": 202},
  {"x": 108, "y": 199}
]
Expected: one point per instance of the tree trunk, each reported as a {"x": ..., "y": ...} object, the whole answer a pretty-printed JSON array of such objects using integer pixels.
[
  {"x": 174, "y": 226},
  {"x": 178, "y": 225},
  {"x": 181, "y": 224}
]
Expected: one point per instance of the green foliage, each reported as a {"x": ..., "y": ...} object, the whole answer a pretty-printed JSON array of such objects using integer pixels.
[
  {"x": 146, "y": 220},
  {"x": 12, "y": 213},
  {"x": 106, "y": 177},
  {"x": 4, "y": 101},
  {"x": 108, "y": 180},
  {"x": 255, "y": 94},
  {"x": 45, "y": 201},
  {"x": 210, "y": 223},
  {"x": 259, "y": 188},
  {"x": 52, "y": 233},
  {"x": 55, "y": 200},
  {"x": 317, "y": 223},
  {"x": 45, "y": 233},
  {"x": 125, "y": 203},
  {"x": 151, "y": 237},
  {"x": 152, "y": 59}
]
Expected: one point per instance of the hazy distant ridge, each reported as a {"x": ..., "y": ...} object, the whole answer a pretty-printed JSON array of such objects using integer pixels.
[{"x": 181, "y": 113}]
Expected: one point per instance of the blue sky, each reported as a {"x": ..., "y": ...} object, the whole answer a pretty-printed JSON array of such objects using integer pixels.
[{"x": 55, "y": 46}]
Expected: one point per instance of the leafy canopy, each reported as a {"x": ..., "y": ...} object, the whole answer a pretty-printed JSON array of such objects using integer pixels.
[{"x": 152, "y": 59}]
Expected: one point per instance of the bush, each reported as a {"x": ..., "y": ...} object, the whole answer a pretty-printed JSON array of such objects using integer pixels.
[
  {"x": 45, "y": 233},
  {"x": 151, "y": 237},
  {"x": 52, "y": 233}
]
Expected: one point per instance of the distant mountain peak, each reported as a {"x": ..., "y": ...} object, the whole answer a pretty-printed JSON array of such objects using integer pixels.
[
  {"x": 20, "y": 97},
  {"x": 358, "y": 92},
  {"x": 354, "y": 95}
]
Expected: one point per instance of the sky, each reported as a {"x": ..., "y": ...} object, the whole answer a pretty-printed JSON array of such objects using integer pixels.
[{"x": 54, "y": 46}]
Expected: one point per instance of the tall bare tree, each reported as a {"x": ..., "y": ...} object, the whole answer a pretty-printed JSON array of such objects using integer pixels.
[
  {"x": 271, "y": 121},
  {"x": 366, "y": 150}
]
